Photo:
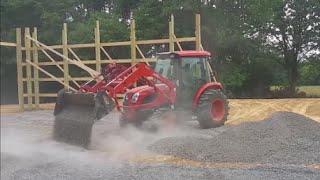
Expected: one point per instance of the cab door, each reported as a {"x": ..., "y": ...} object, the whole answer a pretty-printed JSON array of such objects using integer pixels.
[{"x": 192, "y": 75}]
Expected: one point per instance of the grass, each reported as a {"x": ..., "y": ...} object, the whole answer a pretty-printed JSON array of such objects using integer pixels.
[{"x": 309, "y": 90}]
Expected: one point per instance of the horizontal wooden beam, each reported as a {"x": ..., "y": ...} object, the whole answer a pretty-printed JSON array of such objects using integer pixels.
[
  {"x": 153, "y": 41},
  {"x": 46, "y": 63},
  {"x": 94, "y": 62},
  {"x": 185, "y": 39},
  {"x": 80, "y": 45},
  {"x": 61, "y": 79},
  {"x": 129, "y": 60},
  {"x": 10, "y": 44},
  {"x": 51, "y": 46},
  {"x": 123, "y": 43},
  {"x": 55, "y": 95},
  {"x": 87, "y": 45},
  {"x": 43, "y": 95},
  {"x": 162, "y": 41}
]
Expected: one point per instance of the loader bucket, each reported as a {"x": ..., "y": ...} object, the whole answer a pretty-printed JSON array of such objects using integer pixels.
[{"x": 75, "y": 114}]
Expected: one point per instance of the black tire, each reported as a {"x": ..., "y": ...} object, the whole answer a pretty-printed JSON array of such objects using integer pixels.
[
  {"x": 124, "y": 122},
  {"x": 204, "y": 111},
  {"x": 135, "y": 121}
]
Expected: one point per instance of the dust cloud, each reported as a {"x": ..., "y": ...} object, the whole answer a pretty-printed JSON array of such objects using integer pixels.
[
  {"x": 125, "y": 143},
  {"x": 29, "y": 136}
]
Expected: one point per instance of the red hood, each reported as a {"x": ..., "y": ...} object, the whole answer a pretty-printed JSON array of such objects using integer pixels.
[{"x": 146, "y": 90}]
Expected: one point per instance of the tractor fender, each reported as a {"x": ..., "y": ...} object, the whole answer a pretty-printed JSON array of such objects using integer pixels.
[{"x": 202, "y": 89}]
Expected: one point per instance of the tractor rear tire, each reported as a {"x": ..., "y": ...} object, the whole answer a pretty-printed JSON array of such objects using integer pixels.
[{"x": 213, "y": 109}]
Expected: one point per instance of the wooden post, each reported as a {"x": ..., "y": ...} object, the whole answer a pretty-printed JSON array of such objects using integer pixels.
[
  {"x": 97, "y": 46},
  {"x": 133, "y": 42},
  {"x": 198, "y": 32},
  {"x": 19, "y": 69},
  {"x": 35, "y": 70},
  {"x": 28, "y": 58},
  {"x": 171, "y": 34},
  {"x": 65, "y": 53}
]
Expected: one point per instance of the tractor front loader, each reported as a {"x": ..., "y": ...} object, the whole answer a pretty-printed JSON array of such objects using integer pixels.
[
  {"x": 76, "y": 112},
  {"x": 181, "y": 80}
]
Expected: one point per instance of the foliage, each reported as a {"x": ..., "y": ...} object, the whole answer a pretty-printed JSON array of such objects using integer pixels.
[
  {"x": 291, "y": 29},
  {"x": 255, "y": 43},
  {"x": 310, "y": 72}
]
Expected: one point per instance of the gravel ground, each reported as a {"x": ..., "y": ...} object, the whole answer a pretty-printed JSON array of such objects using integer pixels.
[
  {"x": 285, "y": 137},
  {"x": 28, "y": 152}
]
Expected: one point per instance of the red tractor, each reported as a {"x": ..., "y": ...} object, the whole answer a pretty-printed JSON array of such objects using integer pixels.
[{"x": 181, "y": 80}]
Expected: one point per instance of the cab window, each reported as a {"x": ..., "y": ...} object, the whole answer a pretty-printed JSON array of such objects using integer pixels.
[
  {"x": 193, "y": 68},
  {"x": 163, "y": 67}
]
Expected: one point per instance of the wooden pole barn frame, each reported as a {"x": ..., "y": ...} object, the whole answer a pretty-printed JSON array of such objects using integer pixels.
[{"x": 27, "y": 55}]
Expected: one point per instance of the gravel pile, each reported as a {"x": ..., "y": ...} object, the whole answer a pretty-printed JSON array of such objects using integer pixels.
[{"x": 283, "y": 138}]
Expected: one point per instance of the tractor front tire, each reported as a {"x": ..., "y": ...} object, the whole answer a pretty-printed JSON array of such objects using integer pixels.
[
  {"x": 212, "y": 109},
  {"x": 124, "y": 122},
  {"x": 137, "y": 120}
]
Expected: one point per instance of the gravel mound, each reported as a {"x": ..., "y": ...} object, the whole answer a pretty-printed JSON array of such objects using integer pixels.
[{"x": 285, "y": 137}]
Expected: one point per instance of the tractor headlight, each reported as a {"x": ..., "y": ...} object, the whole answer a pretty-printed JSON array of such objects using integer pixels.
[{"x": 135, "y": 97}]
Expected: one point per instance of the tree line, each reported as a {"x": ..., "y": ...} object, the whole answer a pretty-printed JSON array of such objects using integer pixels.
[{"x": 256, "y": 43}]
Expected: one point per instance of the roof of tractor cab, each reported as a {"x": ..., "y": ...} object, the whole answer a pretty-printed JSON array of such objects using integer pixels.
[{"x": 188, "y": 53}]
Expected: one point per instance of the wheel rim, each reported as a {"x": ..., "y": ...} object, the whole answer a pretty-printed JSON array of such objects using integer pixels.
[{"x": 217, "y": 110}]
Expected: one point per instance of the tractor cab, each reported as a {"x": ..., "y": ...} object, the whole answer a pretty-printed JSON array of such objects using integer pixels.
[{"x": 187, "y": 69}]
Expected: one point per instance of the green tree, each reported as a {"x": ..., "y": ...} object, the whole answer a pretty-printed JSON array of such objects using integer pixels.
[
  {"x": 238, "y": 57},
  {"x": 310, "y": 72},
  {"x": 290, "y": 28}
]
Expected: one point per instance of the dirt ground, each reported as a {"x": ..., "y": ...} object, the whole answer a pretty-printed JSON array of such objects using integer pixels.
[
  {"x": 242, "y": 110},
  {"x": 28, "y": 151}
]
